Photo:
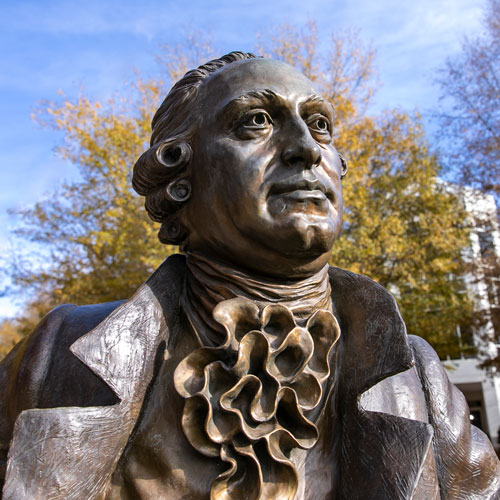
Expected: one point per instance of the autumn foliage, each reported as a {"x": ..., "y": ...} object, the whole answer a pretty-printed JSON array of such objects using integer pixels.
[{"x": 402, "y": 226}]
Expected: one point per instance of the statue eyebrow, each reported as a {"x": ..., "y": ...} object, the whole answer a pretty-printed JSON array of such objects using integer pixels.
[
  {"x": 315, "y": 98},
  {"x": 265, "y": 95},
  {"x": 253, "y": 98}
]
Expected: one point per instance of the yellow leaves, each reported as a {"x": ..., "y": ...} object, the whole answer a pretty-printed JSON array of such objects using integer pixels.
[
  {"x": 103, "y": 244},
  {"x": 9, "y": 336},
  {"x": 400, "y": 229}
]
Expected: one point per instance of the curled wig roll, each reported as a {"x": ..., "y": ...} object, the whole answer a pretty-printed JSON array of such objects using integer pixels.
[
  {"x": 162, "y": 173},
  {"x": 155, "y": 174}
]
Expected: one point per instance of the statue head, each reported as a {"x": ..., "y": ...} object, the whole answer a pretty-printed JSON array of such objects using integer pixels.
[{"x": 242, "y": 167}]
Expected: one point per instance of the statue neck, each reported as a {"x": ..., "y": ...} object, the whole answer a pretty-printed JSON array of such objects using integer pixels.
[
  {"x": 209, "y": 282},
  {"x": 256, "y": 387}
]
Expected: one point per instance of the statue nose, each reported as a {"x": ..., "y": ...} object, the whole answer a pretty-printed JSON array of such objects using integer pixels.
[{"x": 301, "y": 149}]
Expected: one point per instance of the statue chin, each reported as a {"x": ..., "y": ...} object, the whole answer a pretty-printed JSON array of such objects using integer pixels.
[
  {"x": 303, "y": 236},
  {"x": 311, "y": 240},
  {"x": 301, "y": 229}
]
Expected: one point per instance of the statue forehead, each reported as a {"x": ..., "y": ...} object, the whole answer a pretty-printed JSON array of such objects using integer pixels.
[{"x": 239, "y": 78}]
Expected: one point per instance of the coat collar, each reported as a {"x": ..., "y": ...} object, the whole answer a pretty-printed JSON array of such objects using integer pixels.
[
  {"x": 387, "y": 451},
  {"x": 122, "y": 350},
  {"x": 374, "y": 341}
]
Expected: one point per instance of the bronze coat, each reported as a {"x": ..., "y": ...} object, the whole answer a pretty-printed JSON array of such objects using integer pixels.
[{"x": 400, "y": 429}]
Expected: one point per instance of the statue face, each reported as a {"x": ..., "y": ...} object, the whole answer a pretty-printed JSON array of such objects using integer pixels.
[{"x": 265, "y": 175}]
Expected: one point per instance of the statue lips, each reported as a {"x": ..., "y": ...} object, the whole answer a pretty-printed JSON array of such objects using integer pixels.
[{"x": 303, "y": 188}]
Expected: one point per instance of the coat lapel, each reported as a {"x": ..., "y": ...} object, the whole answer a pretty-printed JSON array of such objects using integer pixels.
[
  {"x": 70, "y": 453},
  {"x": 382, "y": 455}
]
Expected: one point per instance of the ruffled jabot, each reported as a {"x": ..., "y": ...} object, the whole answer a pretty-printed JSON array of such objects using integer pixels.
[{"x": 251, "y": 387}]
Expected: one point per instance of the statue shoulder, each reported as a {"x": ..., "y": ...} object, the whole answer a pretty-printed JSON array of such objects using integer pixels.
[
  {"x": 349, "y": 288},
  {"x": 36, "y": 371},
  {"x": 42, "y": 372}
]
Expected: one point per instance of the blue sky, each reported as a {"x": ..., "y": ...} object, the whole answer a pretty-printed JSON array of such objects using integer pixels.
[{"x": 47, "y": 46}]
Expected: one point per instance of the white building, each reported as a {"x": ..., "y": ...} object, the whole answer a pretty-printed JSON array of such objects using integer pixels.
[{"x": 481, "y": 390}]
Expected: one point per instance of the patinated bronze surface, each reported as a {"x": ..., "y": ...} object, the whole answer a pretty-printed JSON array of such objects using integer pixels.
[{"x": 246, "y": 368}]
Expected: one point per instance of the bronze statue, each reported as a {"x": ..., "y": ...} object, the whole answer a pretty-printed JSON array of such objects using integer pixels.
[{"x": 246, "y": 368}]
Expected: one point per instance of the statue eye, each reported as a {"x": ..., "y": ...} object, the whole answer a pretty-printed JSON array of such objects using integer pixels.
[
  {"x": 258, "y": 120},
  {"x": 320, "y": 124}
]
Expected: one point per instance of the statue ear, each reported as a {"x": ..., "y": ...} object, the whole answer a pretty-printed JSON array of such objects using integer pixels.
[{"x": 343, "y": 162}]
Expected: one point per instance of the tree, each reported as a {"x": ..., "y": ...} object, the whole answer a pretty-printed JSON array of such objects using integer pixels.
[
  {"x": 13, "y": 330},
  {"x": 470, "y": 132},
  {"x": 405, "y": 229},
  {"x": 470, "y": 116},
  {"x": 402, "y": 227},
  {"x": 93, "y": 239},
  {"x": 100, "y": 241}
]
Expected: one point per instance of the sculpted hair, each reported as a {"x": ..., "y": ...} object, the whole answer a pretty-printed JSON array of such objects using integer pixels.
[{"x": 161, "y": 174}]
